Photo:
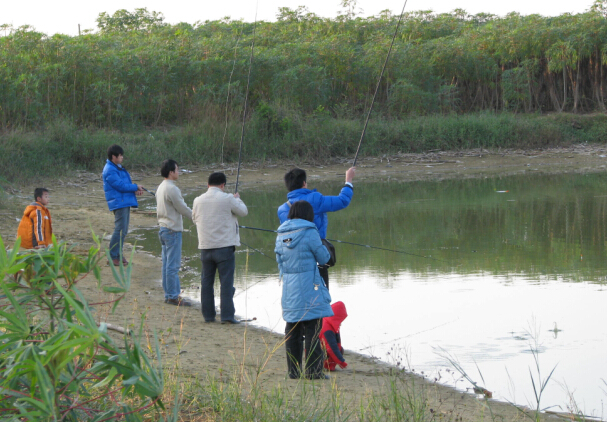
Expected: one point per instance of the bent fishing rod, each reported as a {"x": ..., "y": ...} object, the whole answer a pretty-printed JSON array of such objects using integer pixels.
[
  {"x": 360, "y": 244},
  {"x": 402, "y": 13},
  {"x": 246, "y": 98}
]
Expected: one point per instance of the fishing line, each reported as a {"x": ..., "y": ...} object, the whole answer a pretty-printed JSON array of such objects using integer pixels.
[
  {"x": 261, "y": 279},
  {"x": 257, "y": 282},
  {"x": 244, "y": 112},
  {"x": 378, "y": 83},
  {"x": 258, "y": 251},
  {"x": 360, "y": 244},
  {"x": 410, "y": 335},
  {"x": 225, "y": 131}
]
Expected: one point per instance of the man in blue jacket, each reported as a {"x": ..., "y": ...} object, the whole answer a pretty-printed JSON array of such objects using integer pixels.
[
  {"x": 296, "y": 182},
  {"x": 120, "y": 194}
]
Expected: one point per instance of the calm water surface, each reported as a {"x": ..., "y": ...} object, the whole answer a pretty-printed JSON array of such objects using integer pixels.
[{"x": 501, "y": 271}]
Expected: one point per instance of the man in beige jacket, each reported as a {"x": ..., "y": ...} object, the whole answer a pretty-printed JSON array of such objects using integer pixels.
[
  {"x": 170, "y": 207},
  {"x": 215, "y": 214}
]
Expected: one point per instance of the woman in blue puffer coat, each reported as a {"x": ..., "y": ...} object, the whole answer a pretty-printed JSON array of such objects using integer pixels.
[{"x": 305, "y": 298}]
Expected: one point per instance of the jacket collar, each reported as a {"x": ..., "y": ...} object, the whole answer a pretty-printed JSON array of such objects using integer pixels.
[
  {"x": 299, "y": 192},
  {"x": 37, "y": 204},
  {"x": 295, "y": 224},
  {"x": 115, "y": 165}
]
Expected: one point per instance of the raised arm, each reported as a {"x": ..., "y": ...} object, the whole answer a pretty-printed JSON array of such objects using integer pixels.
[
  {"x": 336, "y": 203},
  {"x": 238, "y": 207}
]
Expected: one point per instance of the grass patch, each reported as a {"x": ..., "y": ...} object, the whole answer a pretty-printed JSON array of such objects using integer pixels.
[{"x": 279, "y": 134}]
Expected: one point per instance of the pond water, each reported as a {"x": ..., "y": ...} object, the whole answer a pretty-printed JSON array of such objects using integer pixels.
[{"x": 510, "y": 278}]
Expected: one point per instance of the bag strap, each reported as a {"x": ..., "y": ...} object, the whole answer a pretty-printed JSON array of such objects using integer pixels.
[{"x": 289, "y": 204}]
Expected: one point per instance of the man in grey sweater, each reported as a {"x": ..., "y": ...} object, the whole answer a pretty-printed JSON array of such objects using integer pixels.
[
  {"x": 170, "y": 207},
  {"x": 215, "y": 214}
]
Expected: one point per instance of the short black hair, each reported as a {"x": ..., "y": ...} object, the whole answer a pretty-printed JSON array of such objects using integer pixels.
[
  {"x": 295, "y": 178},
  {"x": 303, "y": 210},
  {"x": 114, "y": 151},
  {"x": 38, "y": 192},
  {"x": 217, "y": 179},
  {"x": 167, "y": 167}
]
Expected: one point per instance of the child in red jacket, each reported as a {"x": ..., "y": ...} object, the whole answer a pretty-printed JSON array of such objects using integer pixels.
[{"x": 330, "y": 338}]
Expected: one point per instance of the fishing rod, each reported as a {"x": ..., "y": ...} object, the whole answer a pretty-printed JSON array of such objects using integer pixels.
[
  {"x": 244, "y": 112},
  {"x": 225, "y": 131},
  {"x": 360, "y": 244},
  {"x": 378, "y": 83},
  {"x": 148, "y": 191}
]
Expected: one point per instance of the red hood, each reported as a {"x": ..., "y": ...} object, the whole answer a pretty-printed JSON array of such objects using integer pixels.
[{"x": 334, "y": 322}]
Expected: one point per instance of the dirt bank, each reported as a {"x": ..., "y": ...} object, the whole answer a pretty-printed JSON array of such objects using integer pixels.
[{"x": 78, "y": 204}]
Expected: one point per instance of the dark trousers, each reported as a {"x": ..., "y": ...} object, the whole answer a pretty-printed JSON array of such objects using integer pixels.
[
  {"x": 296, "y": 335},
  {"x": 324, "y": 273},
  {"x": 220, "y": 260}
]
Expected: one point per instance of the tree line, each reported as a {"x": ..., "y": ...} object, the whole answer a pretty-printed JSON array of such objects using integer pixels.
[{"x": 137, "y": 71}]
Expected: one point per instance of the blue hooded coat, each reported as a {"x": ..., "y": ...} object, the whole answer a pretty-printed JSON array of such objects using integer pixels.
[
  {"x": 118, "y": 187},
  {"x": 321, "y": 204},
  {"x": 298, "y": 249}
]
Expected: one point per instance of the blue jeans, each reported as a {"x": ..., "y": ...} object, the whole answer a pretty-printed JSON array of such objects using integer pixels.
[
  {"x": 223, "y": 261},
  {"x": 171, "y": 262},
  {"x": 121, "y": 228}
]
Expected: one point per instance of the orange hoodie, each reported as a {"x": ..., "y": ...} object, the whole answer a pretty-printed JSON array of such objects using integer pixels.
[{"x": 35, "y": 228}]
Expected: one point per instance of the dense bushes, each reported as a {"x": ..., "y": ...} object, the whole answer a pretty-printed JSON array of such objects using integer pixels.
[
  {"x": 56, "y": 362},
  {"x": 137, "y": 71},
  {"x": 453, "y": 81}
]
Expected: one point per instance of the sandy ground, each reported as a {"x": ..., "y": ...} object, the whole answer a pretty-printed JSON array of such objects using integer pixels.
[{"x": 199, "y": 349}]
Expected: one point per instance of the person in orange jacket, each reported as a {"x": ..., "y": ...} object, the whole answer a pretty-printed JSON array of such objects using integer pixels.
[
  {"x": 36, "y": 227},
  {"x": 330, "y": 338}
]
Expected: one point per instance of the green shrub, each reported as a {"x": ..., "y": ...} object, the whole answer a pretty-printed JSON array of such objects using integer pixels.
[{"x": 56, "y": 363}]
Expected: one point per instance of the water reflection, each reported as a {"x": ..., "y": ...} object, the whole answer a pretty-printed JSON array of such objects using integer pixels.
[{"x": 508, "y": 266}]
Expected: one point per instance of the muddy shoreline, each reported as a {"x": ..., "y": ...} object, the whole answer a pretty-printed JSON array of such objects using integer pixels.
[{"x": 78, "y": 205}]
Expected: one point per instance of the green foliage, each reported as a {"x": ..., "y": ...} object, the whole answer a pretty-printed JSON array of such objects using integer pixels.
[
  {"x": 56, "y": 363},
  {"x": 409, "y": 98},
  {"x": 302, "y": 86},
  {"x": 123, "y": 20},
  {"x": 175, "y": 90},
  {"x": 3, "y": 195},
  {"x": 517, "y": 88}
]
